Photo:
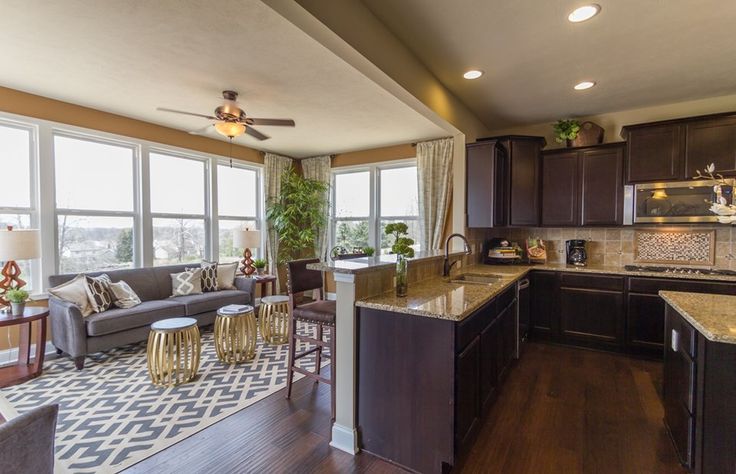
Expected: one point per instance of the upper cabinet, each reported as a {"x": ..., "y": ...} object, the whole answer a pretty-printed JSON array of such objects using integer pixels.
[
  {"x": 583, "y": 186},
  {"x": 675, "y": 149},
  {"x": 503, "y": 181}
]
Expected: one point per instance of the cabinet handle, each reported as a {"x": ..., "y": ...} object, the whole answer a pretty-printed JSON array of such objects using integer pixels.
[{"x": 675, "y": 342}]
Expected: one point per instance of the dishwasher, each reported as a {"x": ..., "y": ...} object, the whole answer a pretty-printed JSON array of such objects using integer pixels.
[{"x": 524, "y": 309}]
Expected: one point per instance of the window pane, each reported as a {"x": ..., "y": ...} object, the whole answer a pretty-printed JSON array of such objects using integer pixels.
[
  {"x": 388, "y": 240},
  {"x": 236, "y": 191},
  {"x": 399, "y": 192},
  {"x": 91, "y": 175},
  {"x": 94, "y": 243},
  {"x": 15, "y": 154},
  {"x": 178, "y": 241},
  {"x": 177, "y": 185},
  {"x": 20, "y": 221},
  {"x": 228, "y": 253},
  {"x": 351, "y": 234},
  {"x": 352, "y": 194}
]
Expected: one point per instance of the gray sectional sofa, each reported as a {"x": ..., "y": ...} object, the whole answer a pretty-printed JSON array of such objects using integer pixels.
[{"x": 78, "y": 336}]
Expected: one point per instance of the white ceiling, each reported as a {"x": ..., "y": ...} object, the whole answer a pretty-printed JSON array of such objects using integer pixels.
[
  {"x": 640, "y": 52},
  {"x": 132, "y": 56}
]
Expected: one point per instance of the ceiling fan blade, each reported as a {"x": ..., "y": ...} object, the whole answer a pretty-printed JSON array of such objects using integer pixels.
[
  {"x": 201, "y": 131},
  {"x": 267, "y": 121},
  {"x": 162, "y": 109},
  {"x": 255, "y": 133}
]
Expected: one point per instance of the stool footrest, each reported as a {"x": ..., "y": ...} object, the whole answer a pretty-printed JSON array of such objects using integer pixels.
[{"x": 313, "y": 375}]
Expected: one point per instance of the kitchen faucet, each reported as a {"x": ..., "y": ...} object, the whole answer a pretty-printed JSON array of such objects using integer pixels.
[{"x": 448, "y": 265}]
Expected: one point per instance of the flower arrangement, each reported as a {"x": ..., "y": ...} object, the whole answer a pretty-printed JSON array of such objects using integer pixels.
[{"x": 726, "y": 212}]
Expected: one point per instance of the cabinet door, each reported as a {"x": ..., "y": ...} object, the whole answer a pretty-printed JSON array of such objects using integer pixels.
[
  {"x": 467, "y": 402},
  {"x": 654, "y": 153},
  {"x": 645, "y": 318},
  {"x": 489, "y": 341},
  {"x": 602, "y": 193},
  {"x": 711, "y": 141},
  {"x": 544, "y": 320},
  {"x": 595, "y": 317},
  {"x": 524, "y": 182},
  {"x": 560, "y": 189},
  {"x": 486, "y": 185}
]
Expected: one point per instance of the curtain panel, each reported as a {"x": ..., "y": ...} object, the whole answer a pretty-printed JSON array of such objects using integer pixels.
[
  {"x": 318, "y": 169},
  {"x": 274, "y": 168},
  {"x": 434, "y": 176}
]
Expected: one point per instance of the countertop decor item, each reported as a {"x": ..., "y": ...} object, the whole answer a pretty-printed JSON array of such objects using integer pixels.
[
  {"x": 589, "y": 134},
  {"x": 23, "y": 244},
  {"x": 402, "y": 249},
  {"x": 247, "y": 239},
  {"x": 566, "y": 130}
]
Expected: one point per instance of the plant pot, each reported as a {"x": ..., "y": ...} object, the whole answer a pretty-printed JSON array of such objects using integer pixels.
[
  {"x": 261, "y": 271},
  {"x": 17, "y": 309},
  {"x": 402, "y": 273}
]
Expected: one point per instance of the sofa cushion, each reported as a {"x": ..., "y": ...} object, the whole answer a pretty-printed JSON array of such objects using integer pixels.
[
  {"x": 74, "y": 291},
  {"x": 121, "y": 319},
  {"x": 202, "y": 303}
]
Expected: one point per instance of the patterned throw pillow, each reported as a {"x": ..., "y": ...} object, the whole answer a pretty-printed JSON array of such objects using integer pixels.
[
  {"x": 186, "y": 283},
  {"x": 209, "y": 276},
  {"x": 123, "y": 295},
  {"x": 99, "y": 296},
  {"x": 74, "y": 291},
  {"x": 226, "y": 275}
]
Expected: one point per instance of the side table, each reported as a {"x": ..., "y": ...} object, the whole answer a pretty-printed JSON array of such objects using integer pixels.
[
  {"x": 273, "y": 316},
  {"x": 235, "y": 333},
  {"x": 263, "y": 281},
  {"x": 25, "y": 369},
  {"x": 173, "y": 351}
]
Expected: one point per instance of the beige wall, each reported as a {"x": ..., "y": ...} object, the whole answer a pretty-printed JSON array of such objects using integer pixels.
[
  {"x": 374, "y": 155},
  {"x": 613, "y": 121},
  {"x": 22, "y": 103}
]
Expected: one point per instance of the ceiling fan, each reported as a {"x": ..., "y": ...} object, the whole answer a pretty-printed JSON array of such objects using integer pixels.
[{"x": 231, "y": 120}]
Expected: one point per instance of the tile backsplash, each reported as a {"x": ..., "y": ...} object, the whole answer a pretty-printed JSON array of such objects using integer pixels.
[{"x": 615, "y": 246}]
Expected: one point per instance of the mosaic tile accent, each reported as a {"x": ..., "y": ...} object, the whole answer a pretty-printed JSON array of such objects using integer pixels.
[{"x": 659, "y": 246}]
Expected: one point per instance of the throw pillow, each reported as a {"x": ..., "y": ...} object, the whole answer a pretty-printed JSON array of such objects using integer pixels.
[
  {"x": 74, "y": 291},
  {"x": 123, "y": 295},
  {"x": 186, "y": 283},
  {"x": 99, "y": 297},
  {"x": 226, "y": 275},
  {"x": 209, "y": 276}
]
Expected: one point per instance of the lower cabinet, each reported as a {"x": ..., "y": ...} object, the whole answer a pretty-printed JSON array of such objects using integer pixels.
[{"x": 467, "y": 395}]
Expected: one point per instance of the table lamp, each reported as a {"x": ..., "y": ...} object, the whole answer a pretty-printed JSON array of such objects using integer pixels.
[
  {"x": 247, "y": 239},
  {"x": 22, "y": 244}
]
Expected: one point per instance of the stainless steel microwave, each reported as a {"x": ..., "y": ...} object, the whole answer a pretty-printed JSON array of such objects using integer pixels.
[{"x": 679, "y": 201}]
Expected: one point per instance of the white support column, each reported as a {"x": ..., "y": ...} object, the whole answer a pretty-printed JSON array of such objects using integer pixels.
[
  {"x": 46, "y": 203},
  {"x": 344, "y": 431},
  {"x": 458, "y": 189}
]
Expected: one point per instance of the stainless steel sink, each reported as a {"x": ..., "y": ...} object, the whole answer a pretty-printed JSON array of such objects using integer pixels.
[{"x": 476, "y": 279}]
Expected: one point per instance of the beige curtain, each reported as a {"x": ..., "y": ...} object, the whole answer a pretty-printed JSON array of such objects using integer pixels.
[
  {"x": 275, "y": 165},
  {"x": 434, "y": 174},
  {"x": 318, "y": 169}
]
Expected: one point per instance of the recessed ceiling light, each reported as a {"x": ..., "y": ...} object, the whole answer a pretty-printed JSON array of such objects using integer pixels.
[
  {"x": 581, "y": 86},
  {"x": 586, "y": 12},
  {"x": 473, "y": 74}
]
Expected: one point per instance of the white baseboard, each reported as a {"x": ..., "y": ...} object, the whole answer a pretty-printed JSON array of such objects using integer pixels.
[
  {"x": 344, "y": 439},
  {"x": 331, "y": 296},
  {"x": 10, "y": 356}
]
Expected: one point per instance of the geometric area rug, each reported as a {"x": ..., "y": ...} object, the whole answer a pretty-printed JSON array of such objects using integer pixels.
[{"x": 111, "y": 416}]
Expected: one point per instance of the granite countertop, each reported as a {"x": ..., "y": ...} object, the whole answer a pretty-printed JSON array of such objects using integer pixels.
[
  {"x": 377, "y": 262},
  {"x": 620, "y": 270},
  {"x": 714, "y": 316}
]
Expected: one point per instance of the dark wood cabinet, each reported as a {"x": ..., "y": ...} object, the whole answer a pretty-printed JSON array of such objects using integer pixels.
[
  {"x": 467, "y": 395},
  {"x": 710, "y": 141},
  {"x": 592, "y": 310},
  {"x": 486, "y": 184},
  {"x": 524, "y": 179},
  {"x": 544, "y": 287},
  {"x": 645, "y": 324},
  {"x": 654, "y": 153},
  {"x": 583, "y": 186}
]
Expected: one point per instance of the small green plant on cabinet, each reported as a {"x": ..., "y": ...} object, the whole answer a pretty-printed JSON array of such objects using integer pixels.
[
  {"x": 16, "y": 295},
  {"x": 259, "y": 263},
  {"x": 369, "y": 251},
  {"x": 566, "y": 129},
  {"x": 402, "y": 245}
]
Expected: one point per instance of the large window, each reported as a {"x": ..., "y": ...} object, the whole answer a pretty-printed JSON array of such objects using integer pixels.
[
  {"x": 238, "y": 191},
  {"x": 365, "y": 200},
  {"x": 95, "y": 204},
  {"x": 178, "y": 203}
]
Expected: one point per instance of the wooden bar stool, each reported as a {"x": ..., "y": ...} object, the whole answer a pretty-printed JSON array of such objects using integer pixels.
[{"x": 320, "y": 313}]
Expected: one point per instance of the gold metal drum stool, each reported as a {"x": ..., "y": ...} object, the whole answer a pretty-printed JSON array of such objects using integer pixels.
[
  {"x": 173, "y": 351},
  {"x": 273, "y": 317},
  {"x": 235, "y": 333}
]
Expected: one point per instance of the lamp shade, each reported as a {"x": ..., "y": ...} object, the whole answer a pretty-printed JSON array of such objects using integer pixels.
[
  {"x": 21, "y": 244},
  {"x": 246, "y": 239}
]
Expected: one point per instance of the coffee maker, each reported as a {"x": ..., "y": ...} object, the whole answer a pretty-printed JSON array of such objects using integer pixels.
[{"x": 576, "y": 254}]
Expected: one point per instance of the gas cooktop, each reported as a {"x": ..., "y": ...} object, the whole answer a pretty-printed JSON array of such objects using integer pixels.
[{"x": 679, "y": 270}]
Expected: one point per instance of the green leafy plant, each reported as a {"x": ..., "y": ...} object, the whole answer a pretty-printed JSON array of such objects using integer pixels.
[
  {"x": 402, "y": 245},
  {"x": 566, "y": 129},
  {"x": 298, "y": 215},
  {"x": 369, "y": 251},
  {"x": 16, "y": 295},
  {"x": 259, "y": 263}
]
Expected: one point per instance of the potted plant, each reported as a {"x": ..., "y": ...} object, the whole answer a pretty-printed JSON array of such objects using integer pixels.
[
  {"x": 369, "y": 251},
  {"x": 17, "y": 298},
  {"x": 402, "y": 249},
  {"x": 566, "y": 130},
  {"x": 260, "y": 265}
]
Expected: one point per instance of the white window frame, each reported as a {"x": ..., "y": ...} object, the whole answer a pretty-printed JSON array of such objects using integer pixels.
[
  {"x": 374, "y": 218},
  {"x": 260, "y": 204}
]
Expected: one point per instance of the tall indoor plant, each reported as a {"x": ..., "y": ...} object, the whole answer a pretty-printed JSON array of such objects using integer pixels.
[
  {"x": 298, "y": 215},
  {"x": 402, "y": 249}
]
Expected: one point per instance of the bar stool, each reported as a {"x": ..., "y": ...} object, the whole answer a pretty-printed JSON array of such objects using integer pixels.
[{"x": 320, "y": 313}]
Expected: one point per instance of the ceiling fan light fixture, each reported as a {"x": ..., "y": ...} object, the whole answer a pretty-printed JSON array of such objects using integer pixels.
[{"x": 230, "y": 129}]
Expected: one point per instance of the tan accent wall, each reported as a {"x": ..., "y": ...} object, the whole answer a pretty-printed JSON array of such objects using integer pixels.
[
  {"x": 375, "y": 155},
  {"x": 22, "y": 103}
]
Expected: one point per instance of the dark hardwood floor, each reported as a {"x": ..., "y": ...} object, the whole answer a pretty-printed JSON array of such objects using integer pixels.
[{"x": 562, "y": 410}]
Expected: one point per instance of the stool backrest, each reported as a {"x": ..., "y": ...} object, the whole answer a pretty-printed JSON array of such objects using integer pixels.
[{"x": 301, "y": 279}]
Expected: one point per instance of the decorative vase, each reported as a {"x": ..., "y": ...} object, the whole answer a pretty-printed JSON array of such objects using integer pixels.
[
  {"x": 17, "y": 308},
  {"x": 402, "y": 281},
  {"x": 261, "y": 271}
]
